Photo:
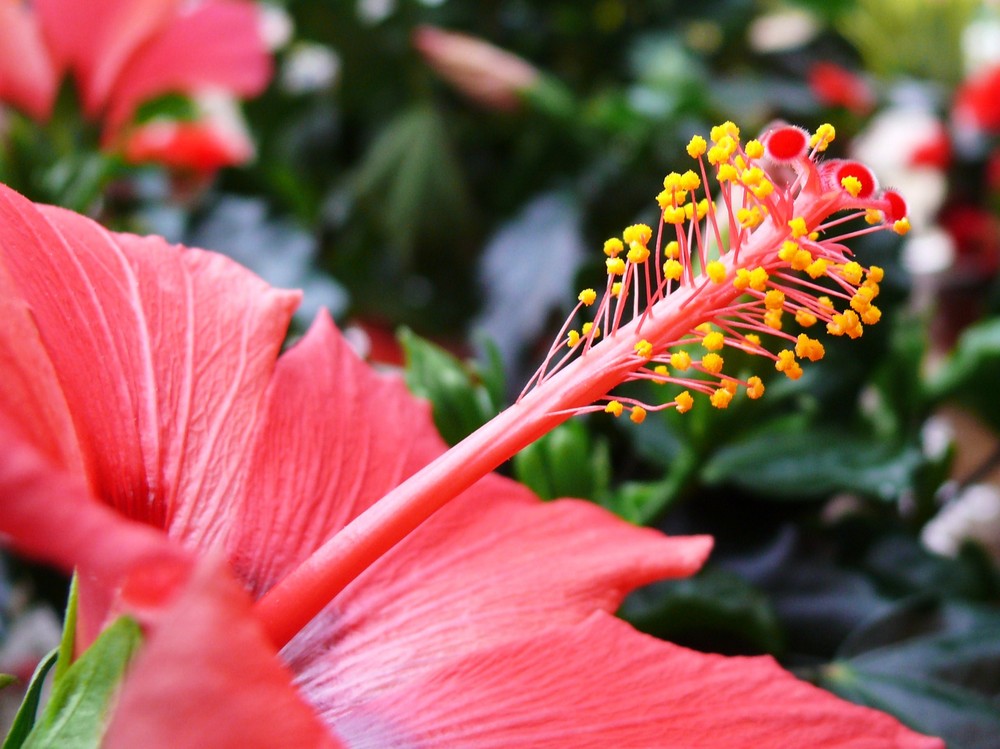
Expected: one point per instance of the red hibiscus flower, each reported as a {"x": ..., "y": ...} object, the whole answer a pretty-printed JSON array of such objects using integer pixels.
[
  {"x": 835, "y": 86},
  {"x": 122, "y": 53},
  {"x": 153, "y": 437}
]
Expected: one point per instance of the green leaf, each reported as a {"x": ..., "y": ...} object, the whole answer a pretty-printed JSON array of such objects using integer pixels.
[
  {"x": 814, "y": 464},
  {"x": 24, "y": 721},
  {"x": 566, "y": 462},
  {"x": 460, "y": 401},
  {"x": 76, "y": 714},
  {"x": 933, "y": 664},
  {"x": 6, "y": 680},
  {"x": 68, "y": 640},
  {"x": 715, "y": 608},
  {"x": 971, "y": 373}
]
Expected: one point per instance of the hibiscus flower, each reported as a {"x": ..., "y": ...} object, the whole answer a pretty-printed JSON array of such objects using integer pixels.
[
  {"x": 123, "y": 53},
  {"x": 153, "y": 437}
]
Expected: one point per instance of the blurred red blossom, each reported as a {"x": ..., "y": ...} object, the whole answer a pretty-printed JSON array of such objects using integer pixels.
[{"x": 835, "y": 86}]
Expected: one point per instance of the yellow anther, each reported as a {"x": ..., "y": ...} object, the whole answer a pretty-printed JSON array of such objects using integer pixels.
[
  {"x": 774, "y": 299},
  {"x": 788, "y": 250},
  {"x": 825, "y": 301},
  {"x": 805, "y": 318},
  {"x": 638, "y": 414},
  {"x": 754, "y": 149},
  {"x": 816, "y": 268},
  {"x": 786, "y": 363},
  {"x": 862, "y": 299},
  {"x": 672, "y": 182},
  {"x": 848, "y": 324},
  {"x": 721, "y": 398},
  {"x": 716, "y": 270},
  {"x": 713, "y": 341},
  {"x": 749, "y": 217},
  {"x": 752, "y": 176},
  {"x": 731, "y": 385},
  {"x": 726, "y": 129},
  {"x": 672, "y": 249},
  {"x": 823, "y": 137},
  {"x": 589, "y": 326},
  {"x": 696, "y": 146},
  {"x": 740, "y": 163},
  {"x": 851, "y": 271},
  {"x": 727, "y": 173},
  {"x": 772, "y": 319},
  {"x": 753, "y": 339},
  {"x": 640, "y": 233},
  {"x": 801, "y": 260},
  {"x": 574, "y": 339},
  {"x": 614, "y": 408},
  {"x": 852, "y": 184},
  {"x": 616, "y": 266},
  {"x": 662, "y": 371},
  {"x": 758, "y": 278},
  {"x": 680, "y": 360},
  {"x": 616, "y": 288},
  {"x": 704, "y": 328},
  {"x": 588, "y": 297},
  {"x": 876, "y": 274},
  {"x": 683, "y": 402},
  {"x": 871, "y": 315},
  {"x": 809, "y": 348},
  {"x": 873, "y": 216},
  {"x": 755, "y": 388},
  {"x": 637, "y": 253},
  {"x": 613, "y": 247},
  {"x": 742, "y": 280},
  {"x": 690, "y": 181},
  {"x": 644, "y": 349},
  {"x": 712, "y": 363},
  {"x": 761, "y": 191},
  {"x": 798, "y": 227},
  {"x": 675, "y": 216},
  {"x": 902, "y": 226},
  {"x": 672, "y": 270}
]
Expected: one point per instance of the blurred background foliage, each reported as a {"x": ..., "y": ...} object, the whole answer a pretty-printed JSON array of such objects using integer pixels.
[{"x": 857, "y": 510}]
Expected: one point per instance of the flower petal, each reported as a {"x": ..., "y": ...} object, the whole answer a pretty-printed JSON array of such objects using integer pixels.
[
  {"x": 27, "y": 77},
  {"x": 95, "y": 39},
  {"x": 602, "y": 684},
  {"x": 218, "y": 44},
  {"x": 492, "y": 567},
  {"x": 164, "y": 420},
  {"x": 208, "y": 677}
]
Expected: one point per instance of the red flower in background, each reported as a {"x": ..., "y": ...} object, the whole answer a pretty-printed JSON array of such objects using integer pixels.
[
  {"x": 146, "y": 417},
  {"x": 977, "y": 101},
  {"x": 122, "y": 53},
  {"x": 835, "y": 86}
]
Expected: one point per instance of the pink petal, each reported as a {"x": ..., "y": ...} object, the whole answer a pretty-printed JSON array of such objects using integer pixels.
[
  {"x": 601, "y": 684},
  {"x": 208, "y": 677},
  {"x": 334, "y": 438},
  {"x": 216, "y": 45},
  {"x": 27, "y": 77},
  {"x": 493, "y": 567},
  {"x": 96, "y": 38},
  {"x": 163, "y": 381}
]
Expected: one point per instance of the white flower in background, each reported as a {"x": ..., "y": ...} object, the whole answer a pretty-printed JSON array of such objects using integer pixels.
[
  {"x": 374, "y": 12},
  {"x": 309, "y": 67},
  {"x": 782, "y": 30},
  {"x": 276, "y": 26},
  {"x": 974, "y": 515}
]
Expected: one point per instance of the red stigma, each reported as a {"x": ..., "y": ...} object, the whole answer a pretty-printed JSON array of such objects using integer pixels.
[
  {"x": 897, "y": 206},
  {"x": 862, "y": 173},
  {"x": 786, "y": 143}
]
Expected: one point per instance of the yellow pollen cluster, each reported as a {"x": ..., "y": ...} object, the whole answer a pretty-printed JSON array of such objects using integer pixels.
[
  {"x": 614, "y": 408},
  {"x": 616, "y": 266},
  {"x": 713, "y": 341},
  {"x": 786, "y": 363},
  {"x": 588, "y": 297},
  {"x": 683, "y": 402},
  {"x": 809, "y": 348},
  {"x": 852, "y": 184},
  {"x": 644, "y": 349},
  {"x": 680, "y": 360},
  {"x": 716, "y": 271},
  {"x": 755, "y": 388},
  {"x": 721, "y": 398},
  {"x": 823, "y": 137},
  {"x": 798, "y": 227},
  {"x": 848, "y": 324},
  {"x": 638, "y": 414},
  {"x": 672, "y": 270},
  {"x": 613, "y": 247},
  {"x": 712, "y": 363}
]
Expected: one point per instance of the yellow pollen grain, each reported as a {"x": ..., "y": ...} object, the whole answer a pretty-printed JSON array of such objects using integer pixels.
[
  {"x": 752, "y": 176},
  {"x": 696, "y": 146},
  {"x": 805, "y": 318},
  {"x": 589, "y": 326},
  {"x": 731, "y": 385},
  {"x": 902, "y": 226},
  {"x": 690, "y": 181},
  {"x": 712, "y": 363},
  {"x": 614, "y": 408},
  {"x": 573, "y": 339},
  {"x": 774, "y": 299},
  {"x": 753, "y": 339},
  {"x": 786, "y": 363},
  {"x": 825, "y": 301},
  {"x": 616, "y": 266},
  {"x": 871, "y": 315},
  {"x": 716, "y": 271},
  {"x": 742, "y": 280},
  {"x": 640, "y": 233},
  {"x": 798, "y": 227},
  {"x": 876, "y": 274},
  {"x": 851, "y": 272},
  {"x": 672, "y": 249},
  {"x": 816, "y": 268},
  {"x": 788, "y": 250},
  {"x": 638, "y": 414},
  {"x": 713, "y": 341},
  {"x": 772, "y": 319},
  {"x": 873, "y": 216},
  {"x": 763, "y": 190},
  {"x": 675, "y": 216},
  {"x": 613, "y": 247},
  {"x": 801, "y": 260},
  {"x": 588, "y": 297},
  {"x": 672, "y": 270},
  {"x": 809, "y": 348},
  {"x": 644, "y": 349},
  {"x": 755, "y": 388},
  {"x": 727, "y": 173},
  {"x": 680, "y": 360},
  {"x": 758, "y": 278},
  {"x": 616, "y": 288},
  {"x": 749, "y": 218},
  {"x": 705, "y": 327},
  {"x": 823, "y": 137},
  {"x": 637, "y": 253},
  {"x": 683, "y": 402},
  {"x": 754, "y": 149},
  {"x": 726, "y": 129},
  {"x": 852, "y": 184},
  {"x": 661, "y": 371},
  {"x": 721, "y": 398}
]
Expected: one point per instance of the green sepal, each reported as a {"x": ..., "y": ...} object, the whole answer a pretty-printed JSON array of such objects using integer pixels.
[
  {"x": 24, "y": 721},
  {"x": 76, "y": 714}
]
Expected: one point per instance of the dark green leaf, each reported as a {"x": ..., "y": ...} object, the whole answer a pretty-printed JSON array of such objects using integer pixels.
[
  {"x": 971, "y": 374},
  {"x": 461, "y": 403},
  {"x": 6, "y": 680},
  {"x": 814, "y": 464},
  {"x": 24, "y": 721},
  {"x": 933, "y": 664},
  {"x": 76, "y": 714},
  {"x": 566, "y": 462},
  {"x": 68, "y": 640}
]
